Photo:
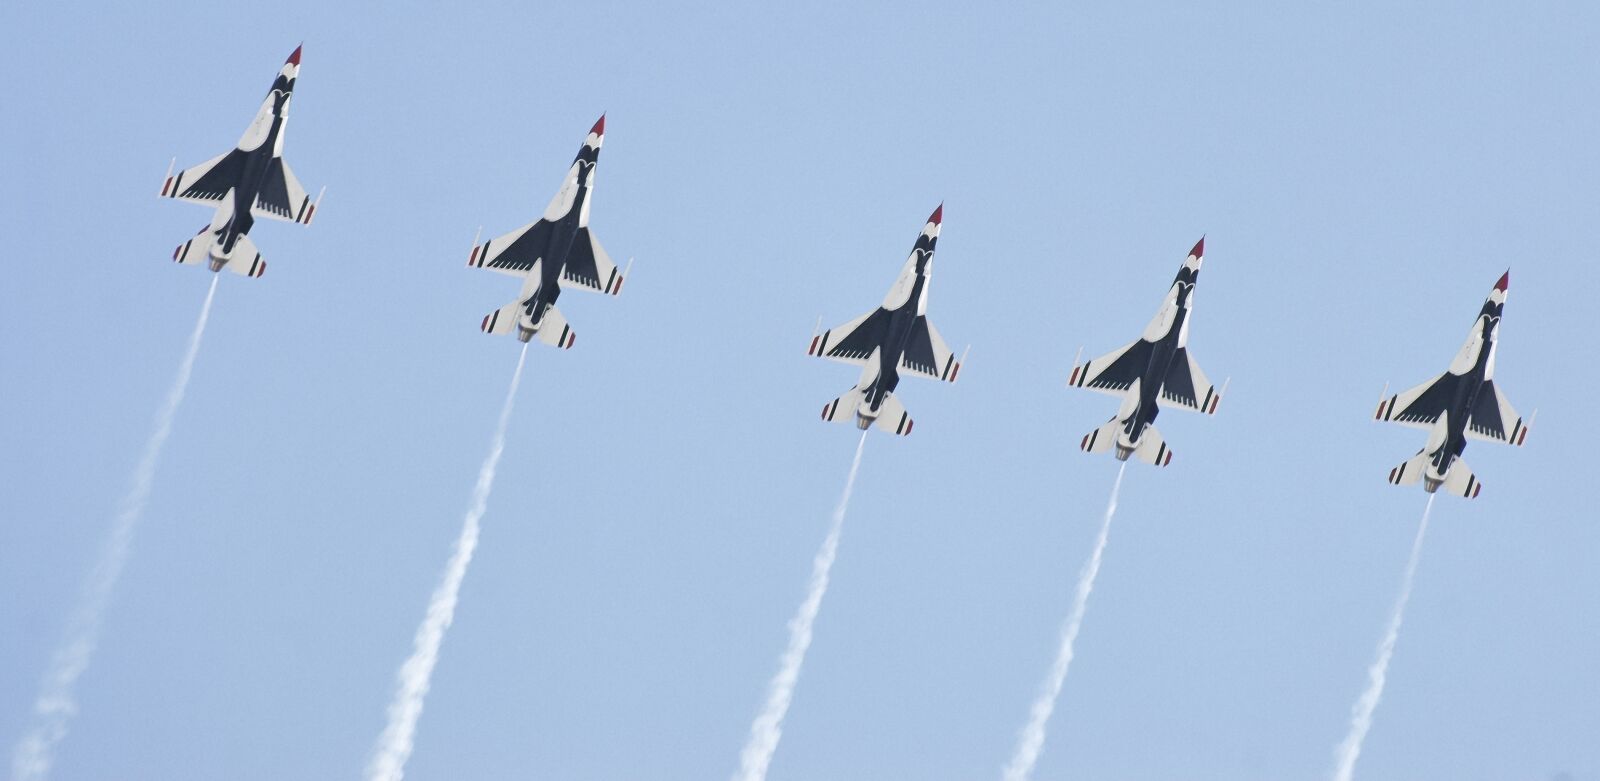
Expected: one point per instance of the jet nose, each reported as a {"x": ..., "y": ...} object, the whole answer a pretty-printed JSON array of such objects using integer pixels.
[
  {"x": 294, "y": 59},
  {"x": 937, "y": 217},
  {"x": 599, "y": 128},
  {"x": 1505, "y": 281},
  {"x": 1199, "y": 250}
]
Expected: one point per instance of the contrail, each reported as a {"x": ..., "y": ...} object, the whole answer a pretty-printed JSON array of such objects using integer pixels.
[
  {"x": 394, "y": 745},
  {"x": 57, "y": 702},
  {"x": 1361, "y": 713},
  {"x": 1031, "y": 741},
  {"x": 768, "y": 726}
]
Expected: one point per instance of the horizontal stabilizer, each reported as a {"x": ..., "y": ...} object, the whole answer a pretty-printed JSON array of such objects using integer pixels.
[
  {"x": 196, "y": 250},
  {"x": 552, "y": 329},
  {"x": 1410, "y": 472},
  {"x": 245, "y": 261},
  {"x": 1153, "y": 448},
  {"x": 503, "y": 320},
  {"x": 1461, "y": 481},
  {"x": 1101, "y": 439},
  {"x": 892, "y": 416},
  {"x": 842, "y": 409}
]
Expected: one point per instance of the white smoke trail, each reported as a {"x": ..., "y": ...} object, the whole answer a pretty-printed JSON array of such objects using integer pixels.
[
  {"x": 1361, "y": 713},
  {"x": 768, "y": 725},
  {"x": 57, "y": 702},
  {"x": 389, "y": 757},
  {"x": 1031, "y": 741}
]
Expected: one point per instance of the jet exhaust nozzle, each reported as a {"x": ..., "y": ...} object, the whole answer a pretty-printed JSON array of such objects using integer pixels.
[
  {"x": 219, "y": 258},
  {"x": 525, "y": 334},
  {"x": 866, "y": 416}
]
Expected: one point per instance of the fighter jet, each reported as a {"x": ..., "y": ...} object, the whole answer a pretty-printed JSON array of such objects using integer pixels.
[
  {"x": 1155, "y": 368},
  {"x": 894, "y": 337},
  {"x": 553, "y": 250},
  {"x": 248, "y": 182},
  {"x": 1463, "y": 402}
]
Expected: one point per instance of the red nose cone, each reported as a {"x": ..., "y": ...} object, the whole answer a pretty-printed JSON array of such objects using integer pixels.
[
  {"x": 294, "y": 59},
  {"x": 937, "y": 216},
  {"x": 1505, "y": 281},
  {"x": 599, "y": 128},
  {"x": 1199, "y": 250}
]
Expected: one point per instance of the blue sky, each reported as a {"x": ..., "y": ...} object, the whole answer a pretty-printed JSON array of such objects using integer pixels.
[{"x": 1363, "y": 173}]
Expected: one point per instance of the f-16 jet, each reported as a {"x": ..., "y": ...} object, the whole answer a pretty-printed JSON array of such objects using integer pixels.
[
  {"x": 248, "y": 182},
  {"x": 893, "y": 338},
  {"x": 1153, "y": 369},
  {"x": 549, "y": 253},
  {"x": 1462, "y": 403}
]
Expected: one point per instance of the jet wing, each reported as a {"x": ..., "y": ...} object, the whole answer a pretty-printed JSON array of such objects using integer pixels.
[
  {"x": 854, "y": 341},
  {"x": 926, "y": 353},
  {"x": 1421, "y": 406},
  {"x": 1187, "y": 387},
  {"x": 207, "y": 182},
  {"x": 589, "y": 267},
  {"x": 1114, "y": 372},
  {"x": 515, "y": 252},
  {"x": 282, "y": 197},
  {"x": 1494, "y": 420}
]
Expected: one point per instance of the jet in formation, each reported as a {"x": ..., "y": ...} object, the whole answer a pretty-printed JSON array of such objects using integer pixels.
[
  {"x": 1155, "y": 368},
  {"x": 1461, "y": 403},
  {"x": 250, "y": 181},
  {"x": 552, "y": 251},
  {"x": 893, "y": 338}
]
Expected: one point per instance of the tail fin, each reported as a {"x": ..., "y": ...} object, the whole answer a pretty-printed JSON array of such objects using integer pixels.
[
  {"x": 246, "y": 261},
  {"x": 1461, "y": 481},
  {"x": 1101, "y": 439},
  {"x": 553, "y": 329},
  {"x": 1153, "y": 448},
  {"x": 1411, "y": 472},
  {"x": 892, "y": 416}
]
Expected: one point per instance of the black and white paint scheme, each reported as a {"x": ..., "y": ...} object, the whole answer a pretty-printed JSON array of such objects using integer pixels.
[
  {"x": 1459, "y": 404},
  {"x": 1155, "y": 368},
  {"x": 893, "y": 338},
  {"x": 247, "y": 182},
  {"x": 553, "y": 251}
]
